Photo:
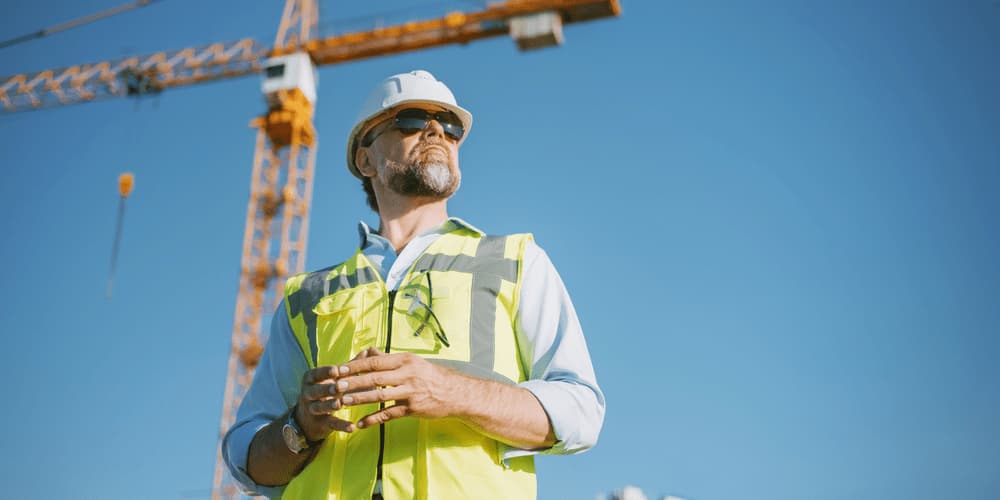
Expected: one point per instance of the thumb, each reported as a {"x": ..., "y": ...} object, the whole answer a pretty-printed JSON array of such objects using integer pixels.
[{"x": 370, "y": 352}]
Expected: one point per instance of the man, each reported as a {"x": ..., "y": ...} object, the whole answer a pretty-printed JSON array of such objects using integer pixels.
[{"x": 432, "y": 364}]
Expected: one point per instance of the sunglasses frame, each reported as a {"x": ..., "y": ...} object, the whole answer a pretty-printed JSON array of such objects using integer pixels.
[
  {"x": 417, "y": 300},
  {"x": 449, "y": 121}
]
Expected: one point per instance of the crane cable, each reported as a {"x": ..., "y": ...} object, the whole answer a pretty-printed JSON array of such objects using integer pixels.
[
  {"x": 125, "y": 182},
  {"x": 74, "y": 23}
]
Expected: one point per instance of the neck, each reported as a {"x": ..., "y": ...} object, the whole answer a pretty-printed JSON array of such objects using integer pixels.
[{"x": 402, "y": 218}]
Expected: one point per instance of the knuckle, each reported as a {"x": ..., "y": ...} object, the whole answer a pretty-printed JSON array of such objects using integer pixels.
[
  {"x": 318, "y": 392},
  {"x": 310, "y": 393}
]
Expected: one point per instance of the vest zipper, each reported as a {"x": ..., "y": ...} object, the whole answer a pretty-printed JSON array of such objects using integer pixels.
[{"x": 381, "y": 406}]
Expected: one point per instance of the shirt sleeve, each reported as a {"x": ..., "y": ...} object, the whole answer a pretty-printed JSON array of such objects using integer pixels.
[
  {"x": 275, "y": 388},
  {"x": 552, "y": 343}
]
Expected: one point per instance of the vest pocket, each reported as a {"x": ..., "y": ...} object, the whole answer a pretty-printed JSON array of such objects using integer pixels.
[{"x": 336, "y": 321}]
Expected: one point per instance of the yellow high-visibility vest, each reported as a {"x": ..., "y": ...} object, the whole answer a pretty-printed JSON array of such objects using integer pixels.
[{"x": 456, "y": 306}]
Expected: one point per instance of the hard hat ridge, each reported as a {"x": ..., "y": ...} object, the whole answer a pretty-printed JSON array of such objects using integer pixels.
[{"x": 416, "y": 87}]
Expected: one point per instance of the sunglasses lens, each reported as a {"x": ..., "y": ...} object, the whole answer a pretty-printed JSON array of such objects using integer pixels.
[
  {"x": 412, "y": 113},
  {"x": 452, "y": 130},
  {"x": 411, "y": 121},
  {"x": 409, "y": 129}
]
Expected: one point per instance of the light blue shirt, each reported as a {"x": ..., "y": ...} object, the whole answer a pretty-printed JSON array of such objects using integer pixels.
[{"x": 549, "y": 339}]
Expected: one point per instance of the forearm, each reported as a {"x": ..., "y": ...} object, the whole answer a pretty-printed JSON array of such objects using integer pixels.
[
  {"x": 269, "y": 461},
  {"x": 506, "y": 413}
]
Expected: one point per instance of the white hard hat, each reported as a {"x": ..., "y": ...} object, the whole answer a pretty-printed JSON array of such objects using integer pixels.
[{"x": 415, "y": 87}]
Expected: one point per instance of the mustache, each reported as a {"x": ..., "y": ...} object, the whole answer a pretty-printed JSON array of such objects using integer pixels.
[
  {"x": 424, "y": 147},
  {"x": 431, "y": 141}
]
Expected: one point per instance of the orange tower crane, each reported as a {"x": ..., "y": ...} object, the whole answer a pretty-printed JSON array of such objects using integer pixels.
[{"x": 277, "y": 222}]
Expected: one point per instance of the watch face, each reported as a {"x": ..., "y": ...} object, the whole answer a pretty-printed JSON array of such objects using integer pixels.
[{"x": 292, "y": 440}]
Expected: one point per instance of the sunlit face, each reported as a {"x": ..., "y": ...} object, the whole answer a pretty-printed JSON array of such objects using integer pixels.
[{"x": 422, "y": 164}]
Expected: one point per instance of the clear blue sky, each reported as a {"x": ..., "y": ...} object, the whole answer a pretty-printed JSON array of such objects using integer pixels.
[{"x": 778, "y": 223}]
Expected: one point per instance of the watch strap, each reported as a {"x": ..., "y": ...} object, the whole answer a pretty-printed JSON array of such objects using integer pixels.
[{"x": 293, "y": 420}]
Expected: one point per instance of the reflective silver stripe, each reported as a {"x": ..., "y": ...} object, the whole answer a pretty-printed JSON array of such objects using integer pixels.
[
  {"x": 314, "y": 287},
  {"x": 471, "y": 369},
  {"x": 504, "y": 268},
  {"x": 302, "y": 302},
  {"x": 361, "y": 276},
  {"x": 485, "y": 291},
  {"x": 488, "y": 268}
]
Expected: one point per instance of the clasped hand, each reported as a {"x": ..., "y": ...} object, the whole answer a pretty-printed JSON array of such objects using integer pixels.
[{"x": 418, "y": 387}]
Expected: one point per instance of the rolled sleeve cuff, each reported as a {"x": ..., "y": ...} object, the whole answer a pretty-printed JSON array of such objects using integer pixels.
[
  {"x": 235, "y": 449},
  {"x": 575, "y": 411}
]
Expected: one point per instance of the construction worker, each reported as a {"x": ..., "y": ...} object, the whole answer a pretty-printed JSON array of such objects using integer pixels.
[{"x": 436, "y": 361}]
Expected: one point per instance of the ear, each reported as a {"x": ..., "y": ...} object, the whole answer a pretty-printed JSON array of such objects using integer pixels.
[{"x": 364, "y": 161}]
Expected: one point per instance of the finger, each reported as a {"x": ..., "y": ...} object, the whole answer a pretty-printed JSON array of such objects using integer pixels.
[
  {"x": 331, "y": 423},
  {"x": 371, "y": 351},
  {"x": 370, "y": 381},
  {"x": 378, "y": 394},
  {"x": 374, "y": 362},
  {"x": 318, "y": 427},
  {"x": 383, "y": 416},
  {"x": 319, "y": 374},
  {"x": 319, "y": 391},
  {"x": 325, "y": 407}
]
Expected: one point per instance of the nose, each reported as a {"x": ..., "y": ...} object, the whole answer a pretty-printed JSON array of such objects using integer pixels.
[{"x": 433, "y": 129}]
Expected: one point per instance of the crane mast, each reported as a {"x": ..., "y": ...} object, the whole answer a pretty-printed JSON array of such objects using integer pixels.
[{"x": 277, "y": 223}]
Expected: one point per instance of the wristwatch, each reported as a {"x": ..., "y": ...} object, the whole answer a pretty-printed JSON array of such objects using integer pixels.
[{"x": 295, "y": 438}]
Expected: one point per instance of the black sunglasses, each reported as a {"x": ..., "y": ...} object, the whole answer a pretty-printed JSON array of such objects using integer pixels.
[{"x": 413, "y": 120}]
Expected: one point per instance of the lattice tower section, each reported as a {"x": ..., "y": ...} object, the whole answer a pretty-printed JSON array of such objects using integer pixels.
[{"x": 274, "y": 245}]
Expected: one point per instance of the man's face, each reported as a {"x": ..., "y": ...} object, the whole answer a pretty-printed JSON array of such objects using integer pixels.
[{"x": 422, "y": 163}]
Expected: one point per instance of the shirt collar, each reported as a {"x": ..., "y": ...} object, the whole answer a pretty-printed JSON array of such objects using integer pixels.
[{"x": 369, "y": 236}]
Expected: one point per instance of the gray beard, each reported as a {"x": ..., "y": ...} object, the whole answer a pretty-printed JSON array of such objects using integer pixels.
[{"x": 412, "y": 178}]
